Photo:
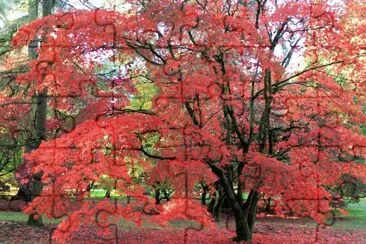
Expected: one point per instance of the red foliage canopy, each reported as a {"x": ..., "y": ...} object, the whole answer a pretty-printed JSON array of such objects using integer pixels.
[{"x": 255, "y": 87}]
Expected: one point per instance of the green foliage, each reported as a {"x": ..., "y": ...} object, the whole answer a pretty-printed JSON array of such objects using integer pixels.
[
  {"x": 363, "y": 128},
  {"x": 10, "y": 159},
  {"x": 136, "y": 172},
  {"x": 146, "y": 92},
  {"x": 165, "y": 186},
  {"x": 349, "y": 190}
]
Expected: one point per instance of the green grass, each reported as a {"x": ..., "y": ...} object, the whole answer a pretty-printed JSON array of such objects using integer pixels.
[
  {"x": 97, "y": 193},
  {"x": 100, "y": 194},
  {"x": 356, "y": 218},
  {"x": 21, "y": 217}
]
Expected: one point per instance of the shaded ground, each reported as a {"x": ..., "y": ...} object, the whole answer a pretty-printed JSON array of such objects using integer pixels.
[
  {"x": 267, "y": 230},
  {"x": 347, "y": 229}
]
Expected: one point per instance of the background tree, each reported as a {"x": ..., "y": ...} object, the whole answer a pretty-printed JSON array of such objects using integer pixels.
[
  {"x": 33, "y": 187},
  {"x": 14, "y": 107}
]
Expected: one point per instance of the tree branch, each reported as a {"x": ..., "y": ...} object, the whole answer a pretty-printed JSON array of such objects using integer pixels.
[{"x": 296, "y": 75}]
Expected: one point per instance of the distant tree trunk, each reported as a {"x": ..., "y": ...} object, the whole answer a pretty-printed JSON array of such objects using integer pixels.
[
  {"x": 212, "y": 202},
  {"x": 40, "y": 119},
  {"x": 24, "y": 193},
  {"x": 220, "y": 201},
  {"x": 128, "y": 199},
  {"x": 214, "y": 198},
  {"x": 157, "y": 196},
  {"x": 158, "y": 192},
  {"x": 166, "y": 195},
  {"x": 90, "y": 186},
  {"x": 267, "y": 209},
  {"x": 47, "y": 7},
  {"x": 204, "y": 194},
  {"x": 35, "y": 185}
]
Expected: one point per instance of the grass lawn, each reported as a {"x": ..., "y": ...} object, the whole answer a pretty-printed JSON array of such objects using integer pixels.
[
  {"x": 21, "y": 217},
  {"x": 97, "y": 193},
  {"x": 356, "y": 218}
]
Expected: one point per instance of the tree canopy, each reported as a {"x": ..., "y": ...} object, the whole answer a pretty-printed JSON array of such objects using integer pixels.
[{"x": 245, "y": 93}]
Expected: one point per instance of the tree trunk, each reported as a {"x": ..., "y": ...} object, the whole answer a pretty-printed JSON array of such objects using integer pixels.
[
  {"x": 157, "y": 196},
  {"x": 252, "y": 212},
  {"x": 35, "y": 186},
  {"x": 47, "y": 7},
  {"x": 166, "y": 195},
  {"x": 204, "y": 194},
  {"x": 212, "y": 203},
  {"x": 35, "y": 220},
  {"x": 268, "y": 206},
  {"x": 24, "y": 192},
  {"x": 218, "y": 206},
  {"x": 243, "y": 232},
  {"x": 128, "y": 199}
]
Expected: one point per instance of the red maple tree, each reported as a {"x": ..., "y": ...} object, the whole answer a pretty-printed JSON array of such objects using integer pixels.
[{"x": 233, "y": 107}]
